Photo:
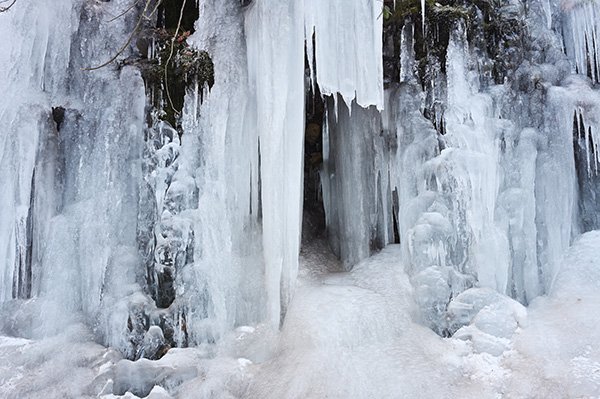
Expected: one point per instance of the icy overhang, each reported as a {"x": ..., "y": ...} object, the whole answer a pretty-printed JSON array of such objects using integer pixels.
[{"x": 348, "y": 49}]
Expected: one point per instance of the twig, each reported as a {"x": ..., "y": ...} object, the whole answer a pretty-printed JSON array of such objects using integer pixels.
[
  {"x": 171, "y": 55},
  {"x": 124, "y": 12},
  {"x": 131, "y": 36}
]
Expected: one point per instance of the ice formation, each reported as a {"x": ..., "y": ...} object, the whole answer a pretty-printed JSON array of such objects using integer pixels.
[
  {"x": 347, "y": 49},
  {"x": 141, "y": 257}
]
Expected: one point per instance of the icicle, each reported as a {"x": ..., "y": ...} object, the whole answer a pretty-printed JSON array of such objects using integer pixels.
[
  {"x": 277, "y": 75},
  {"x": 348, "y": 56},
  {"x": 423, "y": 15},
  {"x": 581, "y": 38}
]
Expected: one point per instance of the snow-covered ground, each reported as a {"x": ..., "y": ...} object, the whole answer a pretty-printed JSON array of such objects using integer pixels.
[{"x": 351, "y": 335}]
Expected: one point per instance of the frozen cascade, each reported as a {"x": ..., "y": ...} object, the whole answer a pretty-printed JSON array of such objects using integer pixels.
[
  {"x": 180, "y": 241},
  {"x": 121, "y": 229},
  {"x": 473, "y": 212},
  {"x": 79, "y": 238}
]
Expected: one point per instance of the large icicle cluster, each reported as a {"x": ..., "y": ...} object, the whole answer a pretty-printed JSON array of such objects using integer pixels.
[
  {"x": 582, "y": 35},
  {"x": 347, "y": 49},
  {"x": 275, "y": 38},
  {"x": 191, "y": 235}
]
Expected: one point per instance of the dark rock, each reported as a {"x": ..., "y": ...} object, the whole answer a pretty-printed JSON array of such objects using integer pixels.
[{"x": 58, "y": 115}]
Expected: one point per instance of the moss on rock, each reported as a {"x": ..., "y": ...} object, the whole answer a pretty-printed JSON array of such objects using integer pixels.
[
  {"x": 174, "y": 70},
  {"x": 489, "y": 27}
]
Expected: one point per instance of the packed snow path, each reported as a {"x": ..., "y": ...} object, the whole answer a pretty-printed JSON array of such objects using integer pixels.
[{"x": 346, "y": 335}]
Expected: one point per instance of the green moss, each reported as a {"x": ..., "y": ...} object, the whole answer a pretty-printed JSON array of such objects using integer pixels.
[
  {"x": 174, "y": 71},
  {"x": 486, "y": 26},
  {"x": 173, "y": 66}
]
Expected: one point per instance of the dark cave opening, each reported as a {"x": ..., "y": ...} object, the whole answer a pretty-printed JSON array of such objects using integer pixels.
[
  {"x": 313, "y": 219},
  {"x": 169, "y": 12}
]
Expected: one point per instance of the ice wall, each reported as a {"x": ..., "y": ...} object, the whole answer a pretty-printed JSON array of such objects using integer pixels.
[
  {"x": 27, "y": 120},
  {"x": 71, "y": 165}
]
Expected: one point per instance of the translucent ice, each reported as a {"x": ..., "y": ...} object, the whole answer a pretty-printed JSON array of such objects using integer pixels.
[{"x": 348, "y": 49}]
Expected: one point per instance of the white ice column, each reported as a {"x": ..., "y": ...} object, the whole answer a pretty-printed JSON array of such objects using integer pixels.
[{"x": 275, "y": 40}]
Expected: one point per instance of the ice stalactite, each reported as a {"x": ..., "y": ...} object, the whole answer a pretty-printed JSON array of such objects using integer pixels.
[
  {"x": 348, "y": 49},
  {"x": 423, "y": 15},
  {"x": 582, "y": 34},
  {"x": 275, "y": 38},
  {"x": 585, "y": 139}
]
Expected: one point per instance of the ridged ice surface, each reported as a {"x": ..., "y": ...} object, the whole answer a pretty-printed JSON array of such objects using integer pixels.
[{"x": 70, "y": 206}]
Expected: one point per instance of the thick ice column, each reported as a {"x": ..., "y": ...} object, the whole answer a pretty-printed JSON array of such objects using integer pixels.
[
  {"x": 473, "y": 159},
  {"x": 222, "y": 284},
  {"x": 348, "y": 48},
  {"x": 275, "y": 39},
  {"x": 351, "y": 181}
]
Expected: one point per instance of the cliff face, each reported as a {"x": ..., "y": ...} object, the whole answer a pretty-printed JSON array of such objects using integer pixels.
[{"x": 158, "y": 201}]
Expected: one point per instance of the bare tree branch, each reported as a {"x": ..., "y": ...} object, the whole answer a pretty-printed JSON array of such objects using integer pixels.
[
  {"x": 124, "y": 12},
  {"x": 130, "y": 38},
  {"x": 6, "y": 8},
  {"x": 171, "y": 55}
]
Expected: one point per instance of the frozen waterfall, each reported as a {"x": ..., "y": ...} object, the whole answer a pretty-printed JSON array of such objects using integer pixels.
[{"x": 442, "y": 158}]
